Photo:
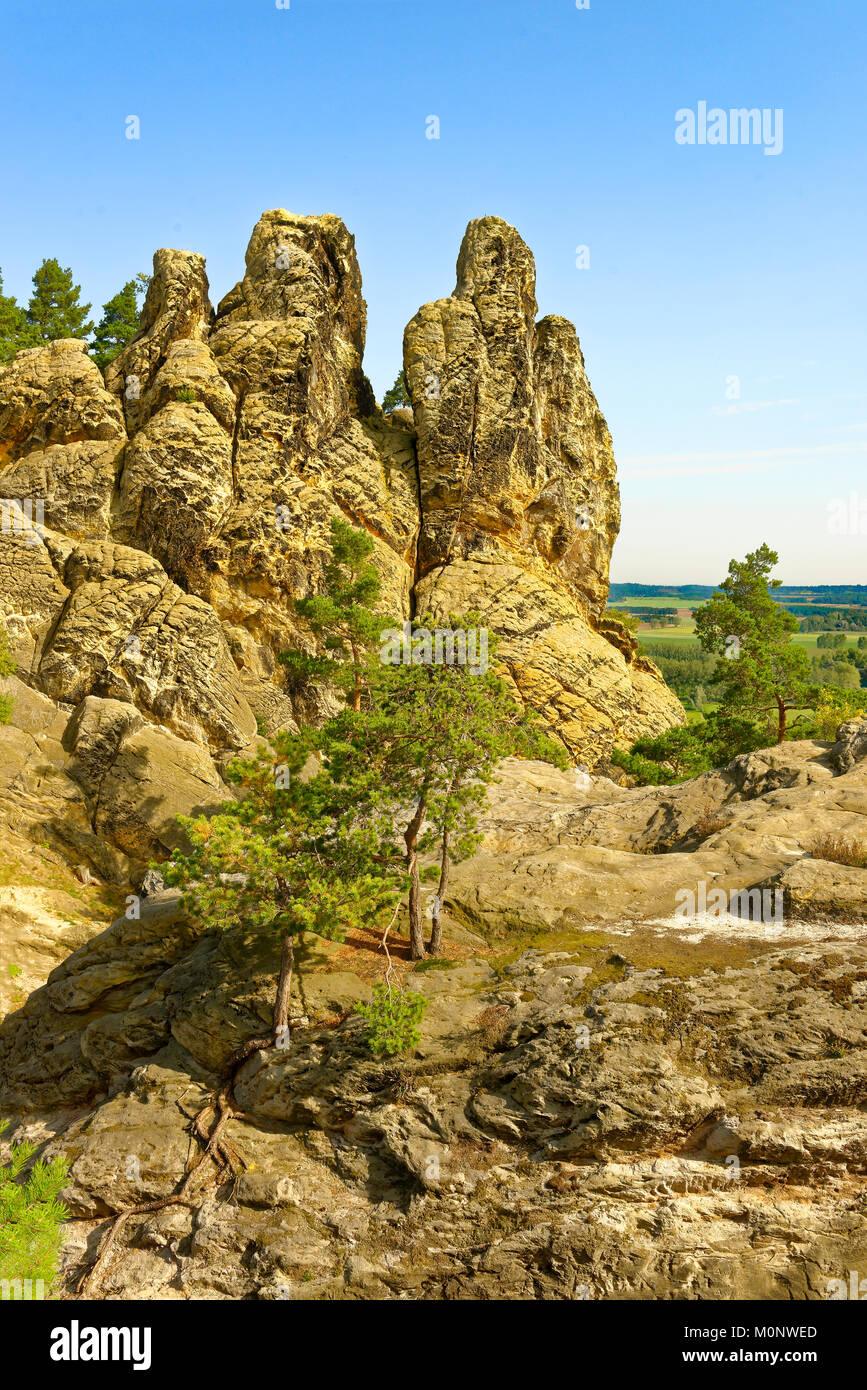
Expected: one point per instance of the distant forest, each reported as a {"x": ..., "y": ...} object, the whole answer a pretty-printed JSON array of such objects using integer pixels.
[{"x": 801, "y": 593}]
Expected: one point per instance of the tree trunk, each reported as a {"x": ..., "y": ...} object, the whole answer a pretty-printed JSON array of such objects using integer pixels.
[
  {"x": 781, "y": 721},
  {"x": 416, "y": 927},
  {"x": 436, "y": 935},
  {"x": 284, "y": 986},
  {"x": 356, "y": 691},
  {"x": 416, "y": 931}
]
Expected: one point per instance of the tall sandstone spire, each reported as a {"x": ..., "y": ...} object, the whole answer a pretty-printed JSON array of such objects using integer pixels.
[{"x": 519, "y": 501}]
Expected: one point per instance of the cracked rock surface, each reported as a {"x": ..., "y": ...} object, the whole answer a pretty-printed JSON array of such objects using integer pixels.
[{"x": 604, "y": 1102}]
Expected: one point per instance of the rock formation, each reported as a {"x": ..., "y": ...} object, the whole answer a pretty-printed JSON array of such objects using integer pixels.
[
  {"x": 188, "y": 497},
  {"x": 519, "y": 502}
]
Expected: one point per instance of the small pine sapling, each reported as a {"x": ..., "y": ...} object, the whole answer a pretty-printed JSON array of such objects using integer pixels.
[
  {"x": 393, "y": 1017},
  {"x": 31, "y": 1217}
]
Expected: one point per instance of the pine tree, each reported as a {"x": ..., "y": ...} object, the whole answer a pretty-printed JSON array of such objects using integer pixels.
[
  {"x": 343, "y": 617},
  {"x": 396, "y": 395},
  {"x": 15, "y": 333},
  {"x": 121, "y": 318},
  {"x": 760, "y": 671},
  {"x": 423, "y": 734},
  {"x": 31, "y": 1217},
  {"x": 54, "y": 310},
  {"x": 429, "y": 745},
  {"x": 294, "y": 854}
]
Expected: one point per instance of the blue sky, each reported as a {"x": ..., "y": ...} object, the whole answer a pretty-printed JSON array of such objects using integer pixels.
[{"x": 706, "y": 262}]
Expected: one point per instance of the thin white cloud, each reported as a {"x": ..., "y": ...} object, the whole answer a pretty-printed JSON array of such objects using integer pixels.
[
  {"x": 795, "y": 451},
  {"x": 699, "y": 465},
  {"x": 746, "y": 407},
  {"x": 685, "y": 470}
]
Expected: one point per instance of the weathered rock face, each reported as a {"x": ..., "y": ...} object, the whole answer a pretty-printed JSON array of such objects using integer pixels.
[
  {"x": 572, "y": 1125},
  {"x": 520, "y": 506},
  {"x": 138, "y": 778},
  {"x": 248, "y": 439},
  {"x": 176, "y": 310},
  {"x": 600, "y": 1105},
  {"x": 87, "y": 798},
  {"x": 289, "y": 340},
  {"x": 188, "y": 497},
  {"x": 54, "y": 395},
  {"x": 515, "y": 458}
]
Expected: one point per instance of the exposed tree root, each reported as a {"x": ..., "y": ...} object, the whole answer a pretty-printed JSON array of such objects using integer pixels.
[{"x": 215, "y": 1146}]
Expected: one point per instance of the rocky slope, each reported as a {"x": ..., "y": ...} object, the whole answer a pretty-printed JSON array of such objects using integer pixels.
[
  {"x": 188, "y": 496},
  {"x": 608, "y": 1100}
]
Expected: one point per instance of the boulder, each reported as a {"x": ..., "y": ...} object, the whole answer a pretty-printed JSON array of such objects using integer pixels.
[
  {"x": 139, "y": 778},
  {"x": 127, "y": 632},
  {"x": 820, "y": 890},
  {"x": 52, "y": 395},
  {"x": 851, "y": 744},
  {"x": 75, "y": 483}
]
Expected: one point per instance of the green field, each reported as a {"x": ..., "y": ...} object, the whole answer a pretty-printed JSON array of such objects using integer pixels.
[
  {"x": 686, "y": 633},
  {"x": 808, "y": 640},
  {"x": 685, "y": 630},
  {"x": 637, "y": 602}
]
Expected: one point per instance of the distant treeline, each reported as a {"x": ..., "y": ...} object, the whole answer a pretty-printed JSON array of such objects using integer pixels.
[
  {"x": 829, "y": 593},
  {"x": 835, "y": 594},
  {"x": 689, "y": 671},
  {"x": 657, "y": 617},
  {"x": 801, "y": 610},
  {"x": 685, "y": 591},
  {"x": 835, "y": 619}
]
